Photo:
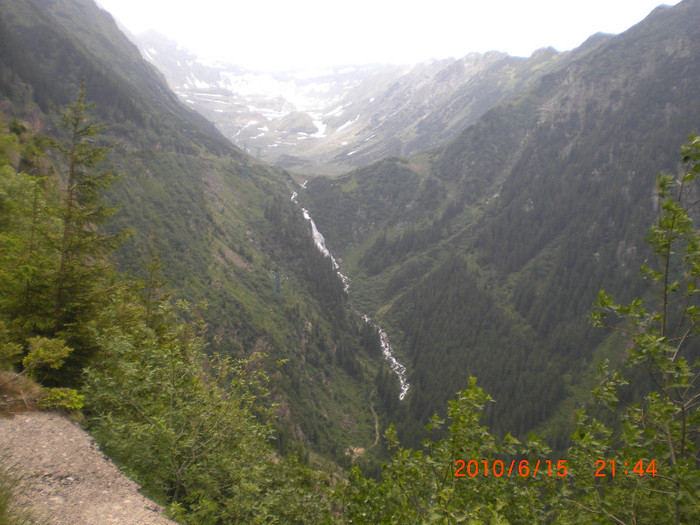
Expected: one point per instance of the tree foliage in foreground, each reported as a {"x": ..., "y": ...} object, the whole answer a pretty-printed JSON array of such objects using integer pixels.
[
  {"x": 662, "y": 431},
  {"x": 56, "y": 271},
  {"x": 191, "y": 427},
  {"x": 433, "y": 486},
  {"x": 81, "y": 280}
]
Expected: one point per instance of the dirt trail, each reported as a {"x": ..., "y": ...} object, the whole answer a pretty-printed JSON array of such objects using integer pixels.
[{"x": 66, "y": 479}]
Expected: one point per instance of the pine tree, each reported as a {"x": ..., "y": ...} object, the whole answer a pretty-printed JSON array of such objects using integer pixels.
[
  {"x": 26, "y": 259},
  {"x": 84, "y": 277}
]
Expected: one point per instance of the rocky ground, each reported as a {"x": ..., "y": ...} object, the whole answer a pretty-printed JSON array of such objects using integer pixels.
[{"x": 65, "y": 478}]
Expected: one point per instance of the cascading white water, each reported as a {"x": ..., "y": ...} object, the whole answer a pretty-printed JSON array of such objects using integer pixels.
[
  {"x": 320, "y": 243},
  {"x": 394, "y": 364},
  {"x": 387, "y": 350}
]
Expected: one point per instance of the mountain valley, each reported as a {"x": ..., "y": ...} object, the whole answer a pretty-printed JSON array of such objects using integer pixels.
[
  {"x": 222, "y": 222},
  {"x": 474, "y": 209}
]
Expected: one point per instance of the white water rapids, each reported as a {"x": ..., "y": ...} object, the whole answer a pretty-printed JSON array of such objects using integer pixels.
[
  {"x": 387, "y": 350},
  {"x": 394, "y": 364},
  {"x": 320, "y": 243}
]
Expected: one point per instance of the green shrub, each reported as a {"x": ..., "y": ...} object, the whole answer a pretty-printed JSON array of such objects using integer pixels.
[{"x": 61, "y": 399}]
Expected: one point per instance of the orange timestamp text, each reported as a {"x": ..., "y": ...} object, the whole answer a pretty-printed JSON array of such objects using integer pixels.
[
  {"x": 614, "y": 468},
  {"x": 498, "y": 468}
]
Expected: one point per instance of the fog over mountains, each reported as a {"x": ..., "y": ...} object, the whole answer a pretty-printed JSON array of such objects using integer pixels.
[{"x": 331, "y": 120}]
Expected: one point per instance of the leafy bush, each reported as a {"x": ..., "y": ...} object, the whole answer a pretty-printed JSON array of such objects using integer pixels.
[
  {"x": 44, "y": 354},
  {"x": 61, "y": 399}
]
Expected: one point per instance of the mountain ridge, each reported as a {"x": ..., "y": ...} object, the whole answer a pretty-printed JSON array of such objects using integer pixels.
[
  {"x": 355, "y": 114},
  {"x": 535, "y": 206}
]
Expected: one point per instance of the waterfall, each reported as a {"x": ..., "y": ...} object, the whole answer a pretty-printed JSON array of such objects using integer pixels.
[{"x": 387, "y": 350}]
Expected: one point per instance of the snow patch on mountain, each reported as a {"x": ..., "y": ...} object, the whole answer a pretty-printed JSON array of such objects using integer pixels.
[
  {"x": 321, "y": 127},
  {"x": 348, "y": 124},
  {"x": 336, "y": 112}
]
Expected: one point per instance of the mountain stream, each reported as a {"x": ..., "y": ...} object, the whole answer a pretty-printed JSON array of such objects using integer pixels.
[{"x": 387, "y": 350}]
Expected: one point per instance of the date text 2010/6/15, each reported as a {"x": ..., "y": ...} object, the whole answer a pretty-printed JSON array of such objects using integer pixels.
[
  {"x": 523, "y": 468},
  {"x": 531, "y": 468}
]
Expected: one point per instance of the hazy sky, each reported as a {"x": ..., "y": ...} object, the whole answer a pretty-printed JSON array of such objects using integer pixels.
[{"x": 282, "y": 34}]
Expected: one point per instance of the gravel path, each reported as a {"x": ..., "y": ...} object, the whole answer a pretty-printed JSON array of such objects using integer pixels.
[{"x": 66, "y": 478}]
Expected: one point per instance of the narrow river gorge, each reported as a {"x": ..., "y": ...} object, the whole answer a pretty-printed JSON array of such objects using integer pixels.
[{"x": 320, "y": 242}]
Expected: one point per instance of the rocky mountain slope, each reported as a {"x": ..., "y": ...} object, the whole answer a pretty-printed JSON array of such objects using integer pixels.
[{"x": 332, "y": 120}]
